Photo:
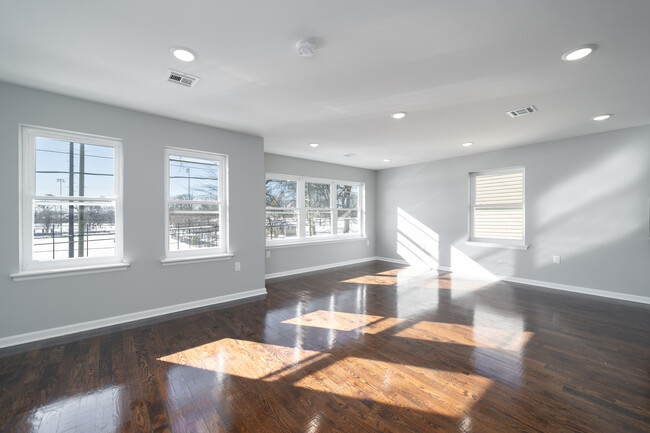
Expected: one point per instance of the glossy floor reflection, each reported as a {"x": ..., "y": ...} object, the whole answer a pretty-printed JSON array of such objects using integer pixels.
[{"x": 365, "y": 348}]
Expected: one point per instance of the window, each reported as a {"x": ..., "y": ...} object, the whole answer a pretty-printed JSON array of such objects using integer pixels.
[
  {"x": 497, "y": 206},
  {"x": 281, "y": 211},
  {"x": 71, "y": 210},
  {"x": 318, "y": 209},
  {"x": 195, "y": 203},
  {"x": 303, "y": 209}
]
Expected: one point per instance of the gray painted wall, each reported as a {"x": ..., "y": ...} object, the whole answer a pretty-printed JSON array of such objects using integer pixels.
[
  {"x": 34, "y": 305},
  {"x": 586, "y": 200},
  {"x": 289, "y": 258}
]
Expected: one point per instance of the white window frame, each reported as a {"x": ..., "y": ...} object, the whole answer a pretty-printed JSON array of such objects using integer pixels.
[
  {"x": 505, "y": 243},
  {"x": 302, "y": 210},
  {"x": 30, "y": 267},
  {"x": 200, "y": 254}
]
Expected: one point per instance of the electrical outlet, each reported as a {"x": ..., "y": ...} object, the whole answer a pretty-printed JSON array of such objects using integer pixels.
[
  {"x": 237, "y": 266},
  {"x": 268, "y": 253},
  {"x": 557, "y": 259},
  {"x": 368, "y": 243}
]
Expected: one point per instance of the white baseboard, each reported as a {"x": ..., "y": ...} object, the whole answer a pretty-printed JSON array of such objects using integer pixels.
[
  {"x": 578, "y": 289},
  {"x": 548, "y": 285},
  {"x": 319, "y": 267},
  {"x": 388, "y": 259},
  {"x": 29, "y": 337}
]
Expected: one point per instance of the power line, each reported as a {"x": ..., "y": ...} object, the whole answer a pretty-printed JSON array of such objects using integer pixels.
[{"x": 75, "y": 153}]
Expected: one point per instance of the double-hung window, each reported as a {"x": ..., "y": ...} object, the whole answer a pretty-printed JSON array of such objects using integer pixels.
[
  {"x": 281, "y": 209},
  {"x": 195, "y": 203},
  {"x": 497, "y": 206},
  {"x": 318, "y": 209},
  {"x": 301, "y": 209},
  {"x": 71, "y": 200},
  {"x": 347, "y": 208}
]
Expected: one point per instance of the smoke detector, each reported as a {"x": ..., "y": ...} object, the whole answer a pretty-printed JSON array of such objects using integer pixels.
[{"x": 306, "y": 48}]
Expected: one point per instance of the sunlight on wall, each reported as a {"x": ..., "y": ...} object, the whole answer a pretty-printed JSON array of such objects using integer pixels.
[
  {"x": 416, "y": 243},
  {"x": 456, "y": 393},
  {"x": 463, "y": 264},
  {"x": 591, "y": 208},
  {"x": 361, "y": 323},
  {"x": 104, "y": 404}
]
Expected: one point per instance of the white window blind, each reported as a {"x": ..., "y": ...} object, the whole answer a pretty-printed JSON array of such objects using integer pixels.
[{"x": 497, "y": 208}]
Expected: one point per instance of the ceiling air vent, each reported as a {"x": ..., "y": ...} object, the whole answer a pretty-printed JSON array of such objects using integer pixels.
[
  {"x": 182, "y": 78},
  {"x": 522, "y": 111}
]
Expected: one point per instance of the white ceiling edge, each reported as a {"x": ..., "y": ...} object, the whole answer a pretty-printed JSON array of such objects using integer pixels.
[{"x": 391, "y": 164}]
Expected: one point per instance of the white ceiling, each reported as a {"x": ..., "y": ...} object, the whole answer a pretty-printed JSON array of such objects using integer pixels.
[{"x": 455, "y": 66}]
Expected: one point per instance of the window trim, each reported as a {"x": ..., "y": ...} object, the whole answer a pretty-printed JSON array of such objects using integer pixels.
[
  {"x": 200, "y": 254},
  {"x": 27, "y": 166},
  {"x": 301, "y": 239},
  {"x": 493, "y": 242}
]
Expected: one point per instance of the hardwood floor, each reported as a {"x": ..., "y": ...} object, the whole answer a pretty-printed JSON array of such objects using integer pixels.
[{"x": 373, "y": 347}]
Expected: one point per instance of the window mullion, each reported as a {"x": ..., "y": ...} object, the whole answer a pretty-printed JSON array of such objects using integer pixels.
[
  {"x": 301, "y": 208},
  {"x": 333, "y": 210}
]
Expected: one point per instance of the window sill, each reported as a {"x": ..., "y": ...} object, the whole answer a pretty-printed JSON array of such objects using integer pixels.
[
  {"x": 170, "y": 261},
  {"x": 496, "y": 245},
  {"x": 64, "y": 272},
  {"x": 313, "y": 242}
]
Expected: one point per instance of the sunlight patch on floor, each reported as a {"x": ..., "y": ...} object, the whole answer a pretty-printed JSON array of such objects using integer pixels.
[
  {"x": 362, "y": 323},
  {"x": 446, "y": 393},
  {"x": 475, "y": 336},
  {"x": 247, "y": 359},
  {"x": 379, "y": 280}
]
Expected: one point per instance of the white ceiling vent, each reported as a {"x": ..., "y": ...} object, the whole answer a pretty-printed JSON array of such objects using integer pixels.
[
  {"x": 182, "y": 78},
  {"x": 522, "y": 111}
]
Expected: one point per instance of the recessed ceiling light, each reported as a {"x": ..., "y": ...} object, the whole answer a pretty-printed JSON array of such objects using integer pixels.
[
  {"x": 313, "y": 144},
  {"x": 468, "y": 144},
  {"x": 602, "y": 117},
  {"x": 578, "y": 53},
  {"x": 386, "y": 160},
  {"x": 398, "y": 115},
  {"x": 183, "y": 54}
]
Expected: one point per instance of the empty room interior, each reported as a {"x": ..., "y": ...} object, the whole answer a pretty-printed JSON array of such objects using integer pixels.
[{"x": 311, "y": 216}]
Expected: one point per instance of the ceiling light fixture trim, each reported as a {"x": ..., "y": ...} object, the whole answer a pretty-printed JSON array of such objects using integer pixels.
[
  {"x": 601, "y": 117},
  {"x": 183, "y": 54},
  {"x": 578, "y": 53}
]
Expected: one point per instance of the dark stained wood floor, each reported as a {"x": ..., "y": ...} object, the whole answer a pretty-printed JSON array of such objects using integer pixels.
[{"x": 364, "y": 348}]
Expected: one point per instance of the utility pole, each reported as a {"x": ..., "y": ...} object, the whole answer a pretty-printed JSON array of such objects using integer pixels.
[
  {"x": 71, "y": 207},
  {"x": 189, "y": 191},
  {"x": 82, "y": 210},
  {"x": 60, "y": 181}
]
